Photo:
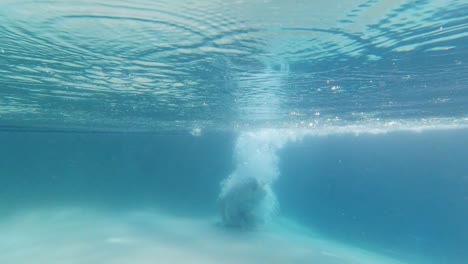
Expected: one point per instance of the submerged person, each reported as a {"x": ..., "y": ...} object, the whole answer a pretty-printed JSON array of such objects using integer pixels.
[{"x": 245, "y": 202}]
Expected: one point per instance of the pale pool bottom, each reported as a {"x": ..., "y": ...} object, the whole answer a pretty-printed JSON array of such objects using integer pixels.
[{"x": 81, "y": 235}]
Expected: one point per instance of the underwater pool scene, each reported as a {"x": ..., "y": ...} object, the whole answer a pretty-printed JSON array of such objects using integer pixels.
[{"x": 211, "y": 131}]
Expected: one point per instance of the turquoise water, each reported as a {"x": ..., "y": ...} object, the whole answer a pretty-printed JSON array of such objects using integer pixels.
[{"x": 234, "y": 132}]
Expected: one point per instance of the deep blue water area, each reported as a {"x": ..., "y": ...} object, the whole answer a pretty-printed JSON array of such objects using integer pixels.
[
  {"x": 115, "y": 169},
  {"x": 404, "y": 194}
]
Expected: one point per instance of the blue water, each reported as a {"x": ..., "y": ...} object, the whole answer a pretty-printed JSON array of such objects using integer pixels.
[{"x": 214, "y": 131}]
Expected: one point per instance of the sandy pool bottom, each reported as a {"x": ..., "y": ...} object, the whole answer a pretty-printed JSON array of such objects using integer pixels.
[{"x": 80, "y": 235}]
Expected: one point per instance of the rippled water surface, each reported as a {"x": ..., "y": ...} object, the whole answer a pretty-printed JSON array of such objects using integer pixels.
[{"x": 172, "y": 65}]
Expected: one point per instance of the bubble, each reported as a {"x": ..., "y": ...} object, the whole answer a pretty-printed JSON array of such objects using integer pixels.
[
  {"x": 247, "y": 199},
  {"x": 196, "y": 132}
]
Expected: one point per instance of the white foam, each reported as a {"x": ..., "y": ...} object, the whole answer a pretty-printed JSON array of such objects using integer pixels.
[
  {"x": 369, "y": 126},
  {"x": 72, "y": 236},
  {"x": 246, "y": 198}
]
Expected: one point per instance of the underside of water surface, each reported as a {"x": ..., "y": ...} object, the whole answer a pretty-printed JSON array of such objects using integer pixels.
[{"x": 174, "y": 65}]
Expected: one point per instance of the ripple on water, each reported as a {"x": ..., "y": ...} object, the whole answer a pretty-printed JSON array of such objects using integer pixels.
[{"x": 214, "y": 61}]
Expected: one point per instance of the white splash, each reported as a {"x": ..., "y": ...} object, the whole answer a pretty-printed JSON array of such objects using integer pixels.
[{"x": 247, "y": 199}]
